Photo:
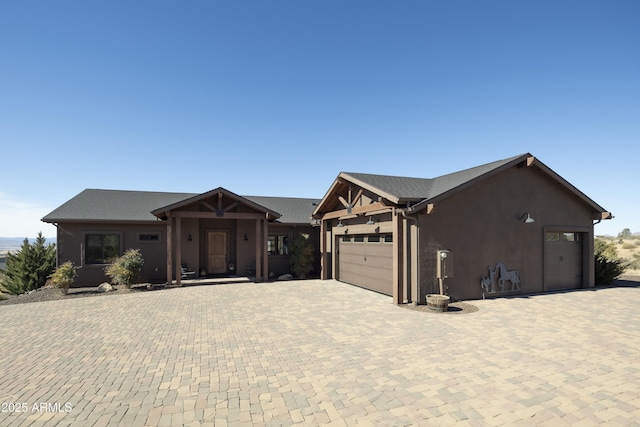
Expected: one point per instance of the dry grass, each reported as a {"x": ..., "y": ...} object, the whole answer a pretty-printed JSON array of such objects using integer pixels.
[{"x": 629, "y": 249}]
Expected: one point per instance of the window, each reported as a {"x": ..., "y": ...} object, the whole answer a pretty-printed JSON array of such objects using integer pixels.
[
  {"x": 571, "y": 237},
  {"x": 373, "y": 238},
  {"x": 388, "y": 238},
  {"x": 552, "y": 237},
  {"x": 358, "y": 238},
  {"x": 278, "y": 244},
  {"x": 153, "y": 237},
  {"x": 101, "y": 248}
]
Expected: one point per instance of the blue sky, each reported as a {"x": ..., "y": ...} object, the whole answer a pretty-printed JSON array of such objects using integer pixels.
[{"x": 277, "y": 97}]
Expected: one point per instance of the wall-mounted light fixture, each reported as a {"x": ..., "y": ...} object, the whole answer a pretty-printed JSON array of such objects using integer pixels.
[
  {"x": 189, "y": 239},
  {"x": 371, "y": 221},
  {"x": 528, "y": 219},
  {"x": 246, "y": 237},
  {"x": 340, "y": 224}
]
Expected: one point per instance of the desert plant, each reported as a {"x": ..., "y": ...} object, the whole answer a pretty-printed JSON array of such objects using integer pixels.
[
  {"x": 608, "y": 265},
  {"x": 125, "y": 269},
  {"x": 64, "y": 276},
  {"x": 624, "y": 234},
  {"x": 29, "y": 267},
  {"x": 302, "y": 256}
]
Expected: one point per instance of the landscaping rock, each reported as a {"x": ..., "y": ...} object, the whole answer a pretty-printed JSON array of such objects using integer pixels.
[{"x": 105, "y": 287}]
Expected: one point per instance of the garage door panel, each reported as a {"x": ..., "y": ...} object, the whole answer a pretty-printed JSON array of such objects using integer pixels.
[
  {"x": 563, "y": 261},
  {"x": 365, "y": 264}
]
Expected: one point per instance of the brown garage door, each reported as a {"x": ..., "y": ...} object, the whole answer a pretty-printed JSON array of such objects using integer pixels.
[
  {"x": 562, "y": 261},
  {"x": 366, "y": 261}
]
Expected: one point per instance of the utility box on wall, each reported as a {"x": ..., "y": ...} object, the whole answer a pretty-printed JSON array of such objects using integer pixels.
[{"x": 444, "y": 264}]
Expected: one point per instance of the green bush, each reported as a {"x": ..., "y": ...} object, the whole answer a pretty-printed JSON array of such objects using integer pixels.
[
  {"x": 125, "y": 269},
  {"x": 29, "y": 267},
  {"x": 302, "y": 256},
  {"x": 64, "y": 276},
  {"x": 608, "y": 265}
]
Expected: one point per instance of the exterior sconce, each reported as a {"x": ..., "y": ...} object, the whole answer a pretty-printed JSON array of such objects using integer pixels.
[
  {"x": 189, "y": 239},
  {"x": 340, "y": 224},
  {"x": 371, "y": 221},
  {"x": 528, "y": 219}
]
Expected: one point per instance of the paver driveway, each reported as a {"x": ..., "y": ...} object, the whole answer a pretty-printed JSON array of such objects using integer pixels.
[{"x": 314, "y": 353}]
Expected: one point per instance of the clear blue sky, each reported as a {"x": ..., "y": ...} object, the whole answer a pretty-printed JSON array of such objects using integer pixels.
[{"x": 277, "y": 97}]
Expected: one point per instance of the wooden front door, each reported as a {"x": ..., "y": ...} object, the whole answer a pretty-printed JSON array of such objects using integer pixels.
[{"x": 217, "y": 252}]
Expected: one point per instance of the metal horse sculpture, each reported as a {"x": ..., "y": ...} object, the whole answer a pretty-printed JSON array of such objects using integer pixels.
[
  {"x": 508, "y": 276},
  {"x": 489, "y": 283}
]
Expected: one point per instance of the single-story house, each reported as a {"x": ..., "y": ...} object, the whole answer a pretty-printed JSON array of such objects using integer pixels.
[
  {"x": 211, "y": 234},
  {"x": 506, "y": 227}
]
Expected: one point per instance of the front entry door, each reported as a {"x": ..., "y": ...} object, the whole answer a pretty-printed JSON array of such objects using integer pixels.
[{"x": 217, "y": 252}]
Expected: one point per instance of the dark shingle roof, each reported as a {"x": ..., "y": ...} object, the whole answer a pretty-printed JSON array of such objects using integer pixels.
[
  {"x": 293, "y": 210},
  {"x": 120, "y": 205},
  {"x": 403, "y": 189},
  {"x": 113, "y": 205}
]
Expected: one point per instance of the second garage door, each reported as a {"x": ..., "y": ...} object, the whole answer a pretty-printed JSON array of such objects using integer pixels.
[
  {"x": 562, "y": 261},
  {"x": 366, "y": 261}
]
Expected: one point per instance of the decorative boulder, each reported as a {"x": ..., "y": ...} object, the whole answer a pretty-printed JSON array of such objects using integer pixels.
[
  {"x": 285, "y": 277},
  {"x": 105, "y": 287}
]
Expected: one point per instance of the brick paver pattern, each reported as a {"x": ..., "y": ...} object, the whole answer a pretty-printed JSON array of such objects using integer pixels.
[{"x": 319, "y": 353}]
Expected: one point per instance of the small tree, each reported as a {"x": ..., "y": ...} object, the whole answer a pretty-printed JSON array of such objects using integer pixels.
[
  {"x": 64, "y": 276},
  {"x": 608, "y": 265},
  {"x": 29, "y": 268},
  {"x": 302, "y": 256},
  {"x": 625, "y": 234},
  {"x": 125, "y": 269}
]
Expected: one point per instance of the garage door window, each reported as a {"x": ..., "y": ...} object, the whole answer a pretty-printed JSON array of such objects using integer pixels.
[
  {"x": 571, "y": 237},
  {"x": 552, "y": 237}
]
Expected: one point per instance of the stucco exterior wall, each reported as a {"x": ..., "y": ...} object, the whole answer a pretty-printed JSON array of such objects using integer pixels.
[
  {"x": 71, "y": 248},
  {"x": 481, "y": 225}
]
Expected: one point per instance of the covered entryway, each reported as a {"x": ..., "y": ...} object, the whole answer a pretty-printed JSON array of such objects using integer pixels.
[
  {"x": 221, "y": 220},
  {"x": 366, "y": 261},
  {"x": 563, "y": 263}
]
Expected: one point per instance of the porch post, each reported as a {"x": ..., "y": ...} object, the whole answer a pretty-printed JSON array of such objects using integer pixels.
[
  {"x": 323, "y": 250},
  {"x": 178, "y": 251},
  {"x": 397, "y": 257},
  {"x": 265, "y": 230},
  {"x": 258, "y": 251},
  {"x": 169, "y": 249}
]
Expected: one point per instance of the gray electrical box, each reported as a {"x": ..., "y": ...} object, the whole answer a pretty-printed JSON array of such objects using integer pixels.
[{"x": 444, "y": 264}]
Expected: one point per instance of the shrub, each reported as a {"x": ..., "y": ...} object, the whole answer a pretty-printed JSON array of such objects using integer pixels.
[
  {"x": 64, "y": 276},
  {"x": 608, "y": 265},
  {"x": 125, "y": 269},
  {"x": 302, "y": 256},
  {"x": 29, "y": 267},
  {"x": 626, "y": 245}
]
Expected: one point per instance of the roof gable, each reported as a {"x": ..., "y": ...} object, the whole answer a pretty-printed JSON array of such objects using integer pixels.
[{"x": 220, "y": 203}]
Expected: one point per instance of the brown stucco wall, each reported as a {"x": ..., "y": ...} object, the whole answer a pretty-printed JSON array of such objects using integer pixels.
[
  {"x": 481, "y": 226},
  {"x": 71, "y": 246}
]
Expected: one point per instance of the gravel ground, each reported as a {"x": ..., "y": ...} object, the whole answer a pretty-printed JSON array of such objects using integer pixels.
[{"x": 51, "y": 294}]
